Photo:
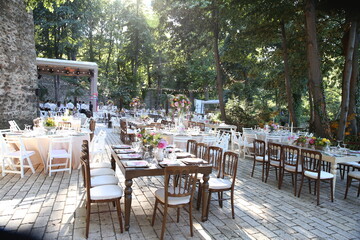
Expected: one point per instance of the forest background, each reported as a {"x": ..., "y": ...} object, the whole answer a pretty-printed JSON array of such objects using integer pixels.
[{"x": 266, "y": 60}]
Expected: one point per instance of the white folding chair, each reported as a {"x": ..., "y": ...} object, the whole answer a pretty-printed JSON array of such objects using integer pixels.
[
  {"x": 13, "y": 148},
  {"x": 237, "y": 142},
  {"x": 247, "y": 130},
  {"x": 97, "y": 145},
  {"x": 209, "y": 140},
  {"x": 60, "y": 148},
  {"x": 248, "y": 143},
  {"x": 13, "y": 126},
  {"x": 224, "y": 141},
  {"x": 180, "y": 141}
]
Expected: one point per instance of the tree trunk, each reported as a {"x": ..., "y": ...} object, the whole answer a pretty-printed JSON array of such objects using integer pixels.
[
  {"x": 349, "y": 53},
  {"x": 289, "y": 94},
  {"x": 219, "y": 83},
  {"x": 56, "y": 87},
  {"x": 321, "y": 122},
  {"x": 354, "y": 88}
]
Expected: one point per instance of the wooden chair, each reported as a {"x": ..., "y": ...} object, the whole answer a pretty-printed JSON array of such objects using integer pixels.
[
  {"x": 274, "y": 151},
  {"x": 126, "y": 135},
  {"x": 220, "y": 184},
  {"x": 201, "y": 125},
  {"x": 214, "y": 157},
  {"x": 191, "y": 146},
  {"x": 97, "y": 180},
  {"x": 290, "y": 162},
  {"x": 56, "y": 152},
  {"x": 201, "y": 150},
  {"x": 311, "y": 169},
  {"x": 260, "y": 157},
  {"x": 99, "y": 194},
  {"x": 352, "y": 175},
  {"x": 178, "y": 192},
  {"x": 92, "y": 126}
]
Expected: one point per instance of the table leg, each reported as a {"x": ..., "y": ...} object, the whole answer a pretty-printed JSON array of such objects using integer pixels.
[
  {"x": 205, "y": 194},
  {"x": 128, "y": 192},
  {"x": 334, "y": 171}
]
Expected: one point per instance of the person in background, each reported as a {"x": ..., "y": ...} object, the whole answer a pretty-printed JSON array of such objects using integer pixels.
[
  {"x": 70, "y": 105},
  {"x": 90, "y": 107}
]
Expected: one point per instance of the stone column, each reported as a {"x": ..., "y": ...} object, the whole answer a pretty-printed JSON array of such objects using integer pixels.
[{"x": 18, "y": 73}]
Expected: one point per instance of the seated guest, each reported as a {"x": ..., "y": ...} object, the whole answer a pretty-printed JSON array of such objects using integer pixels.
[
  {"x": 70, "y": 105},
  {"x": 47, "y": 105}
]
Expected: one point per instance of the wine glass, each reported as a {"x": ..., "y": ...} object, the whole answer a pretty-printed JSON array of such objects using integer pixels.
[{"x": 338, "y": 145}]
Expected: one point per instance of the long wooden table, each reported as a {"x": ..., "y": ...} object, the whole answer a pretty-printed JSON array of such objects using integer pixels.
[{"x": 130, "y": 173}]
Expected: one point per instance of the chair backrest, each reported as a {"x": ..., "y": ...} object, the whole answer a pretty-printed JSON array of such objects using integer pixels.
[
  {"x": 14, "y": 143},
  {"x": 229, "y": 166},
  {"x": 85, "y": 166},
  {"x": 290, "y": 156},
  {"x": 86, "y": 123},
  {"x": 14, "y": 126},
  {"x": 180, "y": 139},
  {"x": 201, "y": 150},
  {"x": 191, "y": 146},
  {"x": 209, "y": 139},
  {"x": 98, "y": 142},
  {"x": 249, "y": 138},
  {"x": 180, "y": 181},
  {"x": 224, "y": 141},
  {"x": 259, "y": 148},
  {"x": 64, "y": 142},
  {"x": 214, "y": 156},
  {"x": 247, "y": 130},
  {"x": 201, "y": 125},
  {"x": 311, "y": 161},
  {"x": 274, "y": 151},
  {"x": 273, "y": 139}
]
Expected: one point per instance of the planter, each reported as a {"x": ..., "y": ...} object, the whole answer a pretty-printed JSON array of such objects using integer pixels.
[{"x": 319, "y": 148}]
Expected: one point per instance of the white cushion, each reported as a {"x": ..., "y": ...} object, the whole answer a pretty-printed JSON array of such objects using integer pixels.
[
  {"x": 17, "y": 154},
  {"x": 104, "y": 180},
  {"x": 105, "y": 192},
  {"x": 100, "y": 165},
  {"x": 323, "y": 175},
  {"x": 275, "y": 163},
  {"x": 349, "y": 163},
  {"x": 354, "y": 174},
  {"x": 160, "y": 194},
  {"x": 101, "y": 171},
  {"x": 219, "y": 183},
  {"x": 130, "y": 131},
  {"x": 290, "y": 168},
  {"x": 259, "y": 158},
  {"x": 355, "y": 164},
  {"x": 59, "y": 153}
]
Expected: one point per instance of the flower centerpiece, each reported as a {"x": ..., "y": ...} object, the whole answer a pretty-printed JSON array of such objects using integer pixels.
[
  {"x": 181, "y": 104},
  {"x": 135, "y": 102},
  {"x": 151, "y": 140},
  {"x": 50, "y": 123},
  {"x": 273, "y": 126},
  {"x": 301, "y": 141},
  {"x": 320, "y": 143}
]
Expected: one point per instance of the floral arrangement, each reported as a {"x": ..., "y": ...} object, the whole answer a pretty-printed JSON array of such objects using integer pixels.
[
  {"x": 312, "y": 141},
  {"x": 321, "y": 141},
  {"x": 135, "y": 102},
  {"x": 145, "y": 118},
  {"x": 301, "y": 139},
  {"x": 180, "y": 102},
  {"x": 273, "y": 126},
  {"x": 152, "y": 139},
  {"x": 110, "y": 102},
  {"x": 49, "y": 122}
]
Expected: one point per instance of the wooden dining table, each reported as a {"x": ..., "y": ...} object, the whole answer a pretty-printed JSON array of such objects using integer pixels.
[{"x": 132, "y": 172}]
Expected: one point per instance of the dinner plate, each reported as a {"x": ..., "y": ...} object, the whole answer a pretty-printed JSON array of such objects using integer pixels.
[
  {"x": 136, "y": 164},
  {"x": 124, "y": 151},
  {"x": 184, "y": 155},
  {"x": 130, "y": 156},
  {"x": 121, "y": 146},
  {"x": 192, "y": 160}
]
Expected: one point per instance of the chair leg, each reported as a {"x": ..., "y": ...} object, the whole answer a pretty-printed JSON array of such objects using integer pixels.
[
  {"x": 295, "y": 183},
  {"x": 178, "y": 215},
  {"x": 155, "y": 207},
  {"x": 163, "y": 223},
  {"x": 118, "y": 208},
  {"x": 87, "y": 218},
  {"x": 348, "y": 183},
  {"x": 281, "y": 177},
  {"x": 30, "y": 165},
  {"x": 318, "y": 192},
  {"x": 264, "y": 165},
  {"x": 331, "y": 190},
  {"x": 191, "y": 220},
  {"x": 252, "y": 172},
  {"x": 208, "y": 205},
  {"x": 358, "y": 190},
  {"x": 220, "y": 199},
  {"x": 301, "y": 184},
  {"x": 232, "y": 204},
  {"x": 267, "y": 172}
]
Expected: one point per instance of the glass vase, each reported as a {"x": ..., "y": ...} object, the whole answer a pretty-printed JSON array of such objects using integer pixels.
[{"x": 180, "y": 123}]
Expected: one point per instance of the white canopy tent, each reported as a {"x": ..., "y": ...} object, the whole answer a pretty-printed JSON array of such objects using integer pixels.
[
  {"x": 200, "y": 105},
  {"x": 47, "y": 66}
]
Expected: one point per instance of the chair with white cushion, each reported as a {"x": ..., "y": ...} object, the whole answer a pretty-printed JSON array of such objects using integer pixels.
[
  {"x": 97, "y": 146},
  {"x": 352, "y": 175},
  {"x": 311, "y": 168},
  {"x": 274, "y": 151},
  {"x": 14, "y": 154},
  {"x": 100, "y": 194},
  {"x": 260, "y": 157},
  {"x": 60, "y": 148},
  {"x": 97, "y": 180},
  {"x": 290, "y": 162},
  {"x": 178, "y": 192},
  {"x": 225, "y": 180}
]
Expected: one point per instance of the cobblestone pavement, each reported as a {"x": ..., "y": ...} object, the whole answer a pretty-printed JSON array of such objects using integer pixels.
[{"x": 53, "y": 208}]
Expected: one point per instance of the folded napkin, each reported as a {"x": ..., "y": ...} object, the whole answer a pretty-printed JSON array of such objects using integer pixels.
[
  {"x": 121, "y": 146},
  {"x": 184, "y": 155},
  {"x": 124, "y": 151},
  {"x": 192, "y": 160},
  {"x": 130, "y": 156},
  {"x": 136, "y": 164}
]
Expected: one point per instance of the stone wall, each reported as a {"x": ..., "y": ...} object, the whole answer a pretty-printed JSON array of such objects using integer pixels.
[{"x": 18, "y": 74}]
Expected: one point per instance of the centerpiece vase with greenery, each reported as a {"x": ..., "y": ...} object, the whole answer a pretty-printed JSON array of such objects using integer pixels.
[{"x": 181, "y": 104}]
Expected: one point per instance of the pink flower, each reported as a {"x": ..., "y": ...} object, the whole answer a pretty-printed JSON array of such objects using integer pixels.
[
  {"x": 162, "y": 143},
  {"x": 176, "y": 104},
  {"x": 312, "y": 141},
  {"x": 139, "y": 135},
  {"x": 152, "y": 133}
]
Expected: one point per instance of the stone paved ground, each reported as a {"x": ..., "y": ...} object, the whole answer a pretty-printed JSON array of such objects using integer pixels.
[{"x": 53, "y": 208}]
